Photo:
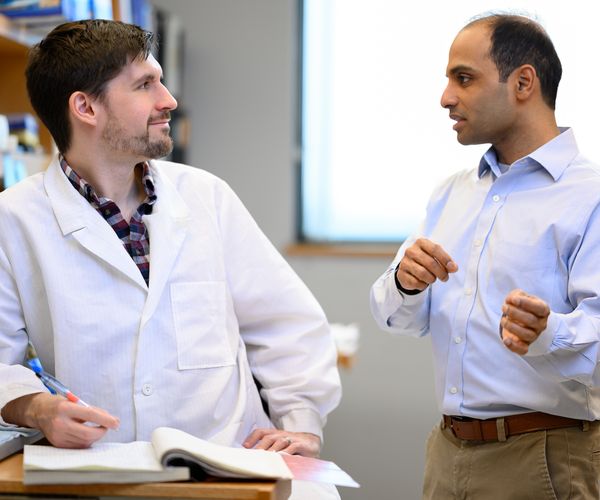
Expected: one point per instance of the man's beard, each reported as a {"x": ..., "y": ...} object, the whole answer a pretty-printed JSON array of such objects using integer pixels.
[{"x": 115, "y": 137}]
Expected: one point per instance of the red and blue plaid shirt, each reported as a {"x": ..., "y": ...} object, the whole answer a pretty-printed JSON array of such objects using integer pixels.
[{"x": 134, "y": 234}]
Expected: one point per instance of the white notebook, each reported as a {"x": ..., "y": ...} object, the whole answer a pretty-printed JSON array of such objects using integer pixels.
[{"x": 168, "y": 457}]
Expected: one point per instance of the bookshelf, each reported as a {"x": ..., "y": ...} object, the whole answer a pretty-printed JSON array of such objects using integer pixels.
[{"x": 14, "y": 44}]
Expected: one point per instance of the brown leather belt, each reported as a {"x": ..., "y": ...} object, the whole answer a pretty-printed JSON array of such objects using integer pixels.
[{"x": 499, "y": 429}]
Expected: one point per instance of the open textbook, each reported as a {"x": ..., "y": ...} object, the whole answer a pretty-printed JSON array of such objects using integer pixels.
[{"x": 172, "y": 455}]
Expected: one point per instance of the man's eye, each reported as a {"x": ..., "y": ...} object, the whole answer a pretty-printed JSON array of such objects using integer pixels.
[
  {"x": 464, "y": 79},
  {"x": 145, "y": 85}
]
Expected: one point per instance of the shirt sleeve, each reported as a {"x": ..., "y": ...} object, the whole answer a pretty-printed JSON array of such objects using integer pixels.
[
  {"x": 397, "y": 312},
  {"x": 569, "y": 347},
  {"x": 287, "y": 337}
]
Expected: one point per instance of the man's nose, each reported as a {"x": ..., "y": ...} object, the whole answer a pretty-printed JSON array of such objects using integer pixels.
[
  {"x": 167, "y": 100},
  {"x": 448, "y": 99}
]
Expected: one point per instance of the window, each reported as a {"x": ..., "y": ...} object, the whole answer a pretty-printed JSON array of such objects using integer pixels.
[{"x": 375, "y": 140}]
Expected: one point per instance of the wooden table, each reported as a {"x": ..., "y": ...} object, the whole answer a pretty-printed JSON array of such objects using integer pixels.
[{"x": 11, "y": 483}]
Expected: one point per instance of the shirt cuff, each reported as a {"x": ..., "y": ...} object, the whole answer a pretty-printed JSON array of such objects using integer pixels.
[
  {"x": 302, "y": 420},
  {"x": 544, "y": 341},
  {"x": 15, "y": 392},
  {"x": 395, "y": 294}
]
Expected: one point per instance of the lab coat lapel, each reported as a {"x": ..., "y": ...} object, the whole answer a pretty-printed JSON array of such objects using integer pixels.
[
  {"x": 78, "y": 218},
  {"x": 168, "y": 227}
]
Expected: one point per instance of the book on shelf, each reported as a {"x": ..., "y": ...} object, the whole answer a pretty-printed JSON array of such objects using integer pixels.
[
  {"x": 170, "y": 455},
  {"x": 53, "y": 12},
  {"x": 25, "y": 128}
]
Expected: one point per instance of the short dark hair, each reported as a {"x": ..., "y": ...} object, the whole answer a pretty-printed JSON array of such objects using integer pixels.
[
  {"x": 518, "y": 40},
  {"x": 79, "y": 56}
]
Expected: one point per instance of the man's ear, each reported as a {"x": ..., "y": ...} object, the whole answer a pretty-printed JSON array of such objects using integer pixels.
[
  {"x": 525, "y": 79},
  {"x": 82, "y": 108}
]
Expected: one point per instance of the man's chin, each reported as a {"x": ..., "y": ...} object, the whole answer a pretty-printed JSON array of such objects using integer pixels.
[
  {"x": 467, "y": 140},
  {"x": 160, "y": 150}
]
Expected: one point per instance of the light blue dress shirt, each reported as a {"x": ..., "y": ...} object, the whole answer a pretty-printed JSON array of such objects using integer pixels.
[{"x": 535, "y": 227}]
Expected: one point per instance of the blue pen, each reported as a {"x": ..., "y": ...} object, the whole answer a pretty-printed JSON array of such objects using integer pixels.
[{"x": 53, "y": 384}]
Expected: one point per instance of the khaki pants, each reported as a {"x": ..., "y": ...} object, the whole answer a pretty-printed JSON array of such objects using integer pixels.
[{"x": 557, "y": 464}]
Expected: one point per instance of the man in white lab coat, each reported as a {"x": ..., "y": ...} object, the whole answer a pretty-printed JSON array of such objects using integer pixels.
[{"x": 145, "y": 285}]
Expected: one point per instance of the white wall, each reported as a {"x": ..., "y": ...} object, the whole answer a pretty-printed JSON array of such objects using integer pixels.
[{"x": 240, "y": 91}]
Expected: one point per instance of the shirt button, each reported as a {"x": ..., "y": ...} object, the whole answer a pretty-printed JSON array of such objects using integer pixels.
[
  {"x": 453, "y": 390},
  {"x": 457, "y": 340},
  {"x": 147, "y": 389},
  {"x": 468, "y": 291},
  {"x": 496, "y": 197}
]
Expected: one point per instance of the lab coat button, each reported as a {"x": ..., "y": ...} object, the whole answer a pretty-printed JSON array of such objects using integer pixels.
[
  {"x": 496, "y": 198},
  {"x": 477, "y": 243},
  {"x": 468, "y": 291},
  {"x": 147, "y": 389},
  {"x": 453, "y": 390},
  {"x": 457, "y": 340}
]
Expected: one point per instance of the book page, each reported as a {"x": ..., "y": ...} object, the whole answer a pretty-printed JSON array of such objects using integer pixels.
[
  {"x": 316, "y": 469},
  {"x": 135, "y": 456},
  {"x": 239, "y": 462}
]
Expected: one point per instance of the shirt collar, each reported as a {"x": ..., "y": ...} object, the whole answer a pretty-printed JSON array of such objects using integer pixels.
[
  {"x": 87, "y": 191},
  {"x": 554, "y": 156}
]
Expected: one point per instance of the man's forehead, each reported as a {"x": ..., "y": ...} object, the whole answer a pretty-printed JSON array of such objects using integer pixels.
[
  {"x": 136, "y": 68},
  {"x": 470, "y": 48}
]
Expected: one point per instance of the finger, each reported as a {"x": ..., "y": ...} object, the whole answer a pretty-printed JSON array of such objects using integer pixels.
[
  {"x": 529, "y": 303},
  {"x": 90, "y": 414},
  {"x": 83, "y": 436},
  {"x": 265, "y": 443},
  {"x": 254, "y": 437},
  {"x": 524, "y": 334},
  {"x": 520, "y": 316},
  {"x": 409, "y": 280},
  {"x": 439, "y": 254},
  {"x": 421, "y": 264},
  {"x": 280, "y": 444},
  {"x": 514, "y": 344},
  {"x": 306, "y": 449},
  {"x": 69, "y": 434},
  {"x": 429, "y": 267}
]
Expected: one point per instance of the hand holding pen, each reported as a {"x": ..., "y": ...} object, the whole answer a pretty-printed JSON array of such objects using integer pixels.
[
  {"x": 64, "y": 422},
  {"x": 53, "y": 384}
]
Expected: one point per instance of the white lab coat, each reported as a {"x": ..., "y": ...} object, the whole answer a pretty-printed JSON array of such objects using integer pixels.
[{"x": 222, "y": 304}]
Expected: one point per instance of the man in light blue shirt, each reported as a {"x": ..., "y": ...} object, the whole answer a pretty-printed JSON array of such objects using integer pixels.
[{"x": 505, "y": 276}]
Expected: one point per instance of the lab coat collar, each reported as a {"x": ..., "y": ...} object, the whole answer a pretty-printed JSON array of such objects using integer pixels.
[
  {"x": 168, "y": 223},
  {"x": 167, "y": 226}
]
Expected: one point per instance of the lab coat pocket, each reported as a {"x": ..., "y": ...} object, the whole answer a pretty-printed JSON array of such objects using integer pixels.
[{"x": 199, "y": 316}]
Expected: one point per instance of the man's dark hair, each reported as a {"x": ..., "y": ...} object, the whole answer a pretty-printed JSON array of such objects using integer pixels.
[
  {"x": 518, "y": 40},
  {"x": 79, "y": 56}
]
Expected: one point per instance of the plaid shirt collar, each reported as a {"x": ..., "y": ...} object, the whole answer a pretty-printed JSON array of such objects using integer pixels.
[
  {"x": 87, "y": 191},
  {"x": 133, "y": 234}
]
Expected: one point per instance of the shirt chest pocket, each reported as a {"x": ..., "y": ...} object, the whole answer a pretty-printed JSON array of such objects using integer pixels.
[
  {"x": 199, "y": 316},
  {"x": 531, "y": 268}
]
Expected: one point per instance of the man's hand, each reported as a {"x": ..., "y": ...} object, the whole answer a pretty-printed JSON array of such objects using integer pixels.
[
  {"x": 524, "y": 317},
  {"x": 422, "y": 264},
  {"x": 294, "y": 443},
  {"x": 62, "y": 422}
]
